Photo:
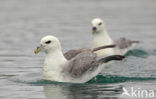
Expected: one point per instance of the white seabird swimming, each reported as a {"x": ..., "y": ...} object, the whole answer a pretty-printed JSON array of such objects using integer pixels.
[
  {"x": 79, "y": 69},
  {"x": 101, "y": 38}
]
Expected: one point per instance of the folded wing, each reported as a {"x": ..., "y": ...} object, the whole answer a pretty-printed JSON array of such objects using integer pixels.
[
  {"x": 82, "y": 63},
  {"x": 74, "y": 52}
]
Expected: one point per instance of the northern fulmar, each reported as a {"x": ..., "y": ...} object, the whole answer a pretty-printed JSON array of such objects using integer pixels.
[{"x": 79, "y": 69}]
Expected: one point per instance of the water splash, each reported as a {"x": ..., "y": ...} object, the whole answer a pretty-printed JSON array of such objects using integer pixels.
[
  {"x": 138, "y": 53},
  {"x": 100, "y": 79}
]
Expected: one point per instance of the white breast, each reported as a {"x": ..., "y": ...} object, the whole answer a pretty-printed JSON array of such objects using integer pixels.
[{"x": 102, "y": 40}]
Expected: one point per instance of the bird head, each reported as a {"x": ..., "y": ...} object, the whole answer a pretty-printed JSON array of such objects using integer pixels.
[
  {"x": 97, "y": 25},
  {"x": 47, "y": 44}
]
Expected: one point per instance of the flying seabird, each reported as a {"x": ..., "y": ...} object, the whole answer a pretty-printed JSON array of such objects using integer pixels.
[
  {"x": 101, "y": 38},
  {"x": 79, "y": 69}
]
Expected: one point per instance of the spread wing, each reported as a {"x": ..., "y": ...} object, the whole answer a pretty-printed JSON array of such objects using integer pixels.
[
  {"x": 83, "y": 62},
  {"x": 72, "y": 53}
]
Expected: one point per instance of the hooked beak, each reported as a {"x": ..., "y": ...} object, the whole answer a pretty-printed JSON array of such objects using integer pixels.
[
  {"x": 40, "y": 48},
  {"x": 94, "y": 30}
]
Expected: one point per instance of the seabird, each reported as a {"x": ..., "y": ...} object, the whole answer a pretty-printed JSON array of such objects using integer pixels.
[
  {"x": 79, "y": 69},
  {"x": 101, "y": 38}
]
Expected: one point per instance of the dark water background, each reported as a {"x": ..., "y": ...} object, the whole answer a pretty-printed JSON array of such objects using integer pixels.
[{"x": 24, "y": 22}]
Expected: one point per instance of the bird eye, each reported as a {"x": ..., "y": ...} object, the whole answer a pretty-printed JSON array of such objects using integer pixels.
[
  {"x": 47, "y": 42},
  {"x": 100, "y": 23}
]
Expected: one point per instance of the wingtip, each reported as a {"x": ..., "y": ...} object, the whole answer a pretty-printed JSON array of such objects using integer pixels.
[
  {"x": 110, "y": 58},
  {"x": 119, "y": 57},
  {"x": 135, "y": 41}
]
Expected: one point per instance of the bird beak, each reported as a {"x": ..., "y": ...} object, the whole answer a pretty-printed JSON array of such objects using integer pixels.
[
  {"x": 40, "y": 48},
  {"x": 93, "y": 31}
]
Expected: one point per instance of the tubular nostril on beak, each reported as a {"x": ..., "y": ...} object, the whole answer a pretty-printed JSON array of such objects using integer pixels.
[
  {"x": 39, "y": 46},
  {"x": 94, "y": 28}
]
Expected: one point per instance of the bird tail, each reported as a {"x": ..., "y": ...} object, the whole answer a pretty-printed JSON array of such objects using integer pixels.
[{"x": 110, "y": 58}]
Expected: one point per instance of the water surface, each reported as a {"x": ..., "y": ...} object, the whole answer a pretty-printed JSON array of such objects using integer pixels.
[{"x": 24, "y": 22}]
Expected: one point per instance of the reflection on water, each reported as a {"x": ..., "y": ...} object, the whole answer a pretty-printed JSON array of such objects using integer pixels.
[
  {"x": 24, "y": 22},
  {"x": 82, "y": 91}
]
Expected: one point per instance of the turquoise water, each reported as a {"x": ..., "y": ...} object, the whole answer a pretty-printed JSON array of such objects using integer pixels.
[{"x": 24, "y": 22}]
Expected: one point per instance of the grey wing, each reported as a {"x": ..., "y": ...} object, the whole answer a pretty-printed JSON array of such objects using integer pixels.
[
  {"x": 124, "y": 43},
  {"x": 85, "y": 61},
  {"x": 72, "y": 53}
]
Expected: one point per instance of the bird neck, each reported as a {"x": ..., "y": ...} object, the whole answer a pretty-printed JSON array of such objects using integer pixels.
[
  {"x": 102, "y": 38},
  {"x": 54, "y": 62}
]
